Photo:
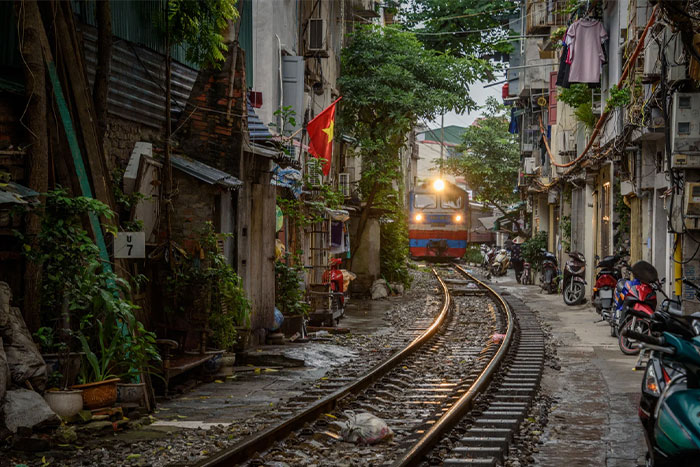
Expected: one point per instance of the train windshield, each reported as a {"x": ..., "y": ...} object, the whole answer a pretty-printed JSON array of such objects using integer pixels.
[
  {"x": 451, "y": 202},
  {"x": 424, "y": 201}
]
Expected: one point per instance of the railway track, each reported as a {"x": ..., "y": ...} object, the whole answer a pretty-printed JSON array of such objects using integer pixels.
[{"x": 427, "y": 392}]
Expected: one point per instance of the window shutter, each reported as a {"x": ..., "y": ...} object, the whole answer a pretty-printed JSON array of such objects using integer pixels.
[{"x": 553, "y": 98}]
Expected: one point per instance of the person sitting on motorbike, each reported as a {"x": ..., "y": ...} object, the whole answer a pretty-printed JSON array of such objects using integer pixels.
[{"x": 516, "y": 258}]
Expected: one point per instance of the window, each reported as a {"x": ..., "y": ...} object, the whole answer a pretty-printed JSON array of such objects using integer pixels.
[
  {"x": 424, "y": 201},
  {"x": 447, "y": 202}
]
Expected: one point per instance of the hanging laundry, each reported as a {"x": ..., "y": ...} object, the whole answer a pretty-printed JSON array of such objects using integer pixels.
[
  {"x": 564, "y": 65},
  {"x": 585, "y": 41},
  {"x": 513, "y": 127}
]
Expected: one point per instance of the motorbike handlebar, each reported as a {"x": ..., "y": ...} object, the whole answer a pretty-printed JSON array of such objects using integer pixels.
[{"x": 646, "y": 338}]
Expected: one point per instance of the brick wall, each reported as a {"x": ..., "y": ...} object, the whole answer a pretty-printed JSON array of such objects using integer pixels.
[
  {"x": 195, "y": 204},
  {"x": 211, "y": 132},
  {"x": 120, "y": 137}
]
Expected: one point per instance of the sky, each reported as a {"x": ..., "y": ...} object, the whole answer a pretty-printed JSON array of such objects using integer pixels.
[{"x": 479, "y": 93}]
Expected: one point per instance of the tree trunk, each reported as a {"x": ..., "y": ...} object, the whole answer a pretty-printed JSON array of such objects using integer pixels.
[
  {"x": 364, "y": 217},
  {"x": 100, "y": 90},
  {"x": 30, "y": 25}
]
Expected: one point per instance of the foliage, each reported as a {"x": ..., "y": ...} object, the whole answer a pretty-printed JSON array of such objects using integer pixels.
[
  {"x": 580, "y": 97},
  {"x": 576, "y": 95},
  {"x": 101, "y": 365},
  {"x": 393, "y": 251},
  {"x": 79, "y": 296},
  {"x": 201, "y": 24},
  {"x": 439, "y": 25},
  {"x": 210, "y": 272},
  {"x": 389, "y": 82},
  {"x": 566, "y": 232},
  {"x": 473, "y": 254},
  {"x": 489, "y": 158},
  {"x": 623, "y": 214},
  {"x": 532, "y": 249},
  {"x": 618, "y": 98},
  {"x": 289, "y": 287},
  {"x": 126, "y": 202}
]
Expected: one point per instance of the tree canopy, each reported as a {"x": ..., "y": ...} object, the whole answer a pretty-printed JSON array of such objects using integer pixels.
[
  {"x": 389, "y": 81},
  {"x": 489, "y": 158},
  {"x": 461, "y": 27}
]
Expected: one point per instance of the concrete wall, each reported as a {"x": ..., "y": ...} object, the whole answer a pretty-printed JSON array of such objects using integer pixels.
[{"x": 273, "y": 19}]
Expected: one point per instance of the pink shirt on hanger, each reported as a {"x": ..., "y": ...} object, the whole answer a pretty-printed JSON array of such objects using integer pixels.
[{"x": 585, "y": 39}]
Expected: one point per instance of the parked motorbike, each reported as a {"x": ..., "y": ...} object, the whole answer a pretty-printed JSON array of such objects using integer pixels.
[
  {"x": 669, "y": 407},
  {"x": 660, "y": 371},
  {"x": 549, "y": 278},
  {"x": 574, "y": 286},
  {"x": 339, "y": 280},
  {"x": 487, "y": 254},
  {"x": 637, "y": 294},
  {"x": 610, "y": 270},
  {"x": 526, "y": 275},
  {"x": 500, "y": 263}
]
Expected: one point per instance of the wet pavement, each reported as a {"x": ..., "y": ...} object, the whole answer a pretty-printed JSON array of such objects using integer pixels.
[{"x": 593, "y": 421}]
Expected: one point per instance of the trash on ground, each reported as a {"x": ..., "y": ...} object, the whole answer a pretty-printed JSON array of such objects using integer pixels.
[{"x": 365, "y": 428}]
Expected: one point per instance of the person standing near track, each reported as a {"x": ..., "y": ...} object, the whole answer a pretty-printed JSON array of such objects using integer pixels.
[{"x": 516, "y": 258}]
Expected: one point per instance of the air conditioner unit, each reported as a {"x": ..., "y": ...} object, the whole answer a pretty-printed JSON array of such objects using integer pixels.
[
  {"x": 529, "y": 165},
  {"x": 344, "y": 183},
  {"x": 316, "y": 34},
  {"x": 685, "y": 123}
]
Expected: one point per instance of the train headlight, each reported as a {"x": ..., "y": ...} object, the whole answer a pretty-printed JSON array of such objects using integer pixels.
[
  {"x": 458, "y": 218},
  {"x": 419, "y": 217},
  {"x": 439, "y": 185}
]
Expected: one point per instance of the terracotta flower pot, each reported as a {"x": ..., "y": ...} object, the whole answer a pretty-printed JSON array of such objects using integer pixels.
[
  {"x": 99, "y": 394},
  {"x": 65, "y": 403},
  {"x": 131, "y": 393}
]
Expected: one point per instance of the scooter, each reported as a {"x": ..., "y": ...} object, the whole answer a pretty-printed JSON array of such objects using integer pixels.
[
  {"x": 637, "y": 294},
  {"x": 574, "y": 288},
  {"x": 338, "y": 279},
  {"x": 610, "y": 270},
  {"x": 549, "y": 279},
  {"x": 487, "y": 253},
  {"x": 672, "y": 422},
  {"x": 500, "y": 263}
]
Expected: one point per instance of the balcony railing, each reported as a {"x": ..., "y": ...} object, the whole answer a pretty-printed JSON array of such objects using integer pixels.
[{"x": 543, "y": 15}]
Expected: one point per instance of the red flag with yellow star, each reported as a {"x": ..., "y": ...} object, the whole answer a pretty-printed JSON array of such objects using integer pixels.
[{"x": 320, "y": 130}]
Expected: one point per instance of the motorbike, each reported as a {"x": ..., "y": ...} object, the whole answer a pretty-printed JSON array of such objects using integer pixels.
[
  {"x": 660, "y": 371},
  {"x": 610, "y": 271},
  {"x": 549, "y": 278},
  {"x": 500, "y": 263},
  {"x": 574, "y": 286},
  {"x": 339, "y": 280},
  {"x": 526, "y": 275},
  {"x": 670, "y": 403},
  {"x": 638, "y": 294},
  {"x": 487, "y": 253}
]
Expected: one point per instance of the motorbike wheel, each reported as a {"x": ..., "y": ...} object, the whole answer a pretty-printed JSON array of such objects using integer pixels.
[
  {"x": 634, "y": 324},
  {"x": 573, "y": 293}
]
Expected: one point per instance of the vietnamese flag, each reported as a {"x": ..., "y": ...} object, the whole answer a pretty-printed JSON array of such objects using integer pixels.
[{"x": 320, "y": 130}]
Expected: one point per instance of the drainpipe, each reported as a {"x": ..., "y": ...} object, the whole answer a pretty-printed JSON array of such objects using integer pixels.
[
  {"x": 677, "y": 266},
  {"x": 279, "y": 72}
]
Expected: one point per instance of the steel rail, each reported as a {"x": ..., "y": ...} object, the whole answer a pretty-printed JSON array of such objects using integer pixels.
[
  {"x": 464, "y": 404},
  {"x": 244, "y": 450}
]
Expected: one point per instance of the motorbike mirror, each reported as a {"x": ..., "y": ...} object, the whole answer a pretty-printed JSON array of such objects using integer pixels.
[{"x": 597, "y": 258}]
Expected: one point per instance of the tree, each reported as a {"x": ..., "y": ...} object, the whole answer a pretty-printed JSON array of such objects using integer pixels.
[
  {"x": 489, "y": 159},
  {"x": 388, "y": 82},
  {"x": 442, "y": 25}
]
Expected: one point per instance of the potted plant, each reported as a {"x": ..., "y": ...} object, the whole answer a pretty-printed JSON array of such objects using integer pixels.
[
  {"x": 99, "y": 383},
  {"x": 289, "y": 294},
  {"x": 140, "y": 356}
]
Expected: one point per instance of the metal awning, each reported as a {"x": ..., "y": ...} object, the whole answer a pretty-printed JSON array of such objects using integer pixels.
[
  {"x": 205, "y": 173},
  {"x": 14, "y": 193},
  {"x": 489, "y": 222}
]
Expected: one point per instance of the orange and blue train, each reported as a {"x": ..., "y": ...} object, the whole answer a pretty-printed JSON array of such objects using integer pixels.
[{"x": 438, "y": 218}]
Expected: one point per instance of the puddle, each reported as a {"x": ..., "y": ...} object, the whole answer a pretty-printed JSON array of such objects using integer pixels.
[{"x": 319, "y": 355}]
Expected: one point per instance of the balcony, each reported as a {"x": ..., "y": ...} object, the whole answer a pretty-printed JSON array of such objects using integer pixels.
[{"x": 543, "y": 15}]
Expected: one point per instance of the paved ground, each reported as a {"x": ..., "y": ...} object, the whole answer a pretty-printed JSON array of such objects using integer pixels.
[{"x": 594, "y": 420}]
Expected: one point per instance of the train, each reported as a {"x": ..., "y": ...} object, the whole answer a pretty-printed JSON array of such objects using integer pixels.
[{"x": 438, "y": 220}]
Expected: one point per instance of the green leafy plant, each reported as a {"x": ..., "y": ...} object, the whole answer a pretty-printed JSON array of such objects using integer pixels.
[
  {"x": 618, "y": 98},
  {"x": 100, "y": 366},
  {"x": 584, "y": 114},
  {"x": 576, "y": 95},
  {"x": 125, "y": 202},
  {"x": 532, "y": 249},
  {"x": 473, "y": 254},
  {"x": 289, "y": 287},
  {"x": 393, "y": 252},
  {"x": 566, "y": 232}
]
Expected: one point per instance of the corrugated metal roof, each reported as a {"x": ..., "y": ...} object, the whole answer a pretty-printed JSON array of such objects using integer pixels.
[
  {"x": 205, "y": 173},
  {"x": 257, "y": 130},
  {"x": 137, "y": 81},
  {"x": 14, "y": 193}
]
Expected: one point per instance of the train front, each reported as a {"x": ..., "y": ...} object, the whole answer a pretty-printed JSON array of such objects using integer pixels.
[{"x": 437, "y": 226}]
